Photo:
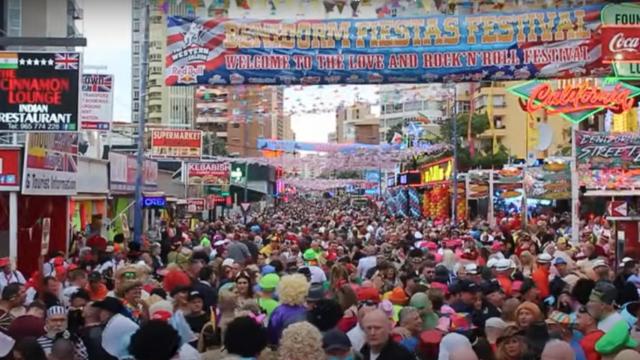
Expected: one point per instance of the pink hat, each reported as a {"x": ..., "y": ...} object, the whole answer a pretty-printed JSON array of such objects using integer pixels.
[{"x": 496, "y": 246}]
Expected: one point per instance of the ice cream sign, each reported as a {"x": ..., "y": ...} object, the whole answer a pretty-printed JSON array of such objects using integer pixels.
[{"x": 575, "y": 101}]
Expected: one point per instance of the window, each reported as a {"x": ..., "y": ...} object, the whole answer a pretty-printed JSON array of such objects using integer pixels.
[
  {"x": 136, "y": 49},
  {"x": 498, "y": 122},
  {"x": 136, "y": 94},
  {"x": 136, "y": 25},
  {"x": 357, "y": 116},
  {"x": 136, "y": 106},
  {"x": 499, "y": 101}
]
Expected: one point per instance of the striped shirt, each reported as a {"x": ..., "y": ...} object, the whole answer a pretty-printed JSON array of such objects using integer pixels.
[{"x": 46, "y": 343}]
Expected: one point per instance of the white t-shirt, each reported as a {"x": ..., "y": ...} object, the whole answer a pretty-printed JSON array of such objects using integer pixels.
[
  {"x": 365, "y": 264},
  {"x": 10, "y": 278},
  {"x": 317, "y": 275},
  {"x": 607, "y": 323},
  {"x": 357, "y": 338}
]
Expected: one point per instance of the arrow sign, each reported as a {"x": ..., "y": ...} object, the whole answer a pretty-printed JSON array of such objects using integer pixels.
[
  {"x": 245, "y": 206},
  {"x": 618, "y": 208}
]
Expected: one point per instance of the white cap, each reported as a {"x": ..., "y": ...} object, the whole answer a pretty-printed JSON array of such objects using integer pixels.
[
  {"x": 544, "y": 258},
  {"x": 228, "y": 262},
  {"x": 598, "y": 263},
  {"x": 503, "y": 265},
  {"x": 496, "y": 323},
  {"x": 492, "y": 262},
  {"x": 417, "y": 235},
  {"x": 625, "y": 260},
  {"x": 471, "y": 268}
]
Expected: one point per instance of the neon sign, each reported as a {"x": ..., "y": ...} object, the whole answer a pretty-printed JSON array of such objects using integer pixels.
[
  {"x": 154, "y": 202},
  {"x": 577, "y": 101},
  {"x": 437, "y": 172}
]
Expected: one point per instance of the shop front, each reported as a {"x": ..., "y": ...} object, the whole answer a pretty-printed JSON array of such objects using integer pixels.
[
  {"x": 89, "y": 207},
  {"x": 122, "y": 184},
  {"x": 436, "y": 188},
  {"x": 10, "y": 180}
]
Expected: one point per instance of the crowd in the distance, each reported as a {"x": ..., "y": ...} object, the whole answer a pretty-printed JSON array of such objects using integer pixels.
[{"x": 318, "y": 279}]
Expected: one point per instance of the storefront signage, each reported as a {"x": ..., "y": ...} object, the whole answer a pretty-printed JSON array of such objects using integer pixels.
[
  {"x": 215, "y": 200},
  {"x": 608, "y": 160},
  {"x": 237, "y": 175},
  {"x": 502, "y": 46},
  {"x": 10, "y": 165},
  {"x": 601, "y": 150},
  {"x": 209, "y": 173},
  {"x": 176, "y": 143},
  {"x": 122, "y": 173},
  {"x": 154, "y": 202},
  {"x": 409, "y": 178},
  {"x": 437, "y": 172},
  {"x": 96, "y": 105},
  {"x": 196, "y": 205},
  {"x": 621, "y": 39},
  {"x": 39, "y": 91},
  {"x": 576, "y": 101},
  {"x": 50, "y": 164}
]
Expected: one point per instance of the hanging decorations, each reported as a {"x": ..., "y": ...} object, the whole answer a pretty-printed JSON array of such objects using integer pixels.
[
  {"x": 354, "y": 7},
  {"x": 340, "y": 5},
  {"x": 328, "y": 5}
]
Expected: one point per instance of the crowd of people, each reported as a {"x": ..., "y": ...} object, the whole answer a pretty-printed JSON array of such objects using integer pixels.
[{"x": 319, "y": 279}]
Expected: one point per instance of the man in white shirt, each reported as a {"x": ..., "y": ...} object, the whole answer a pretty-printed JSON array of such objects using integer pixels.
[
  {"x": 601, "y": 307},
  {"x": 9, "y": 276},
  {"x": 368, "y": 262},
  {"x": 357, "y": 335}
]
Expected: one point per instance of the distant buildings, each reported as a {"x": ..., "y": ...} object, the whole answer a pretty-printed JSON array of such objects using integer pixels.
[{"x": 355, "y": 122}]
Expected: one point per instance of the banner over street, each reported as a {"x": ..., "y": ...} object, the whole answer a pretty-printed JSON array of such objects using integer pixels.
[{"x": 558, "y": 43}]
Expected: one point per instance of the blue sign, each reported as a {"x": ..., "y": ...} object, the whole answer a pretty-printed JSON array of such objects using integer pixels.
[
  {"x": 558, "y": 43},
  {"x": 154, "y": 202}
]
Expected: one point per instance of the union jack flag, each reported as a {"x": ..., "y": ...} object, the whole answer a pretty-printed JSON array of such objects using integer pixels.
[
  {"x": 67, "y": 61},
  {"x": 104, "y": 85}
]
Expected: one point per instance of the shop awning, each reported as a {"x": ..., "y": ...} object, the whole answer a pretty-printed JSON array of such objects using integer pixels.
[{"x": 88, "y": 197}]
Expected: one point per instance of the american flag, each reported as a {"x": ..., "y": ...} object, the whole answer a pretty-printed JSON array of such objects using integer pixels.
[
  {"x": 104, "y": 85},
  {"x": 67, "y": 61}
]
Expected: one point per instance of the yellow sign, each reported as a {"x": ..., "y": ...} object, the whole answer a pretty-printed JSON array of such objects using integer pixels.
[{"x": 437, "y": 172}]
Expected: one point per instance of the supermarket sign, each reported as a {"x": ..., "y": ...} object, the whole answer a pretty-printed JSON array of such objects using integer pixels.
[
  {"x": 576, "y": 101},
  {"x": 176, "y": 143}
]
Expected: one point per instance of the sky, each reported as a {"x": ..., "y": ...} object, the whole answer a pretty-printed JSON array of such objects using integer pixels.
[{"x": 107, "y": 27}]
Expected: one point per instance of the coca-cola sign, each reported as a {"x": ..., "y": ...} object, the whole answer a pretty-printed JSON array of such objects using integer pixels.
[
  {"x": 578, "y": 100},
  {"x": 621, "y": 44}
]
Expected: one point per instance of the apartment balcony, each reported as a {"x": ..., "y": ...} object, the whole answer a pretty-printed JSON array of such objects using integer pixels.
[{"x": 489, "y": 133}]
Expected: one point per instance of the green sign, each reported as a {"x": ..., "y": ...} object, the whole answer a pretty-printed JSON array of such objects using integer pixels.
[
  {"x": 237, "y": 174},
  {"x": 221, "y": 190}
]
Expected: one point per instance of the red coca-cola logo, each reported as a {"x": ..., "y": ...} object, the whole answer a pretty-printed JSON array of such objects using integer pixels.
[{"x": 621, "y": 43}]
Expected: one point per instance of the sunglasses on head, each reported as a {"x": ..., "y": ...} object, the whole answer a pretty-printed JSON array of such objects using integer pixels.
[{"x": 129, "y": 275}]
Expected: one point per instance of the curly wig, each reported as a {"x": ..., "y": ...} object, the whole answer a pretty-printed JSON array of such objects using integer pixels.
[
  {"x": 293, "y": 289},
  {"x": 301, "y": 341}
]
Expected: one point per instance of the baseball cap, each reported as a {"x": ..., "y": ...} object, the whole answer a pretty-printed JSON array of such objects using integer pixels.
[
  {"x": 492, "y": 262},
  {"x": 604, "y": 292},
  {"x": 335, "y": 340},
  {"x": 489, "y": 287},
  {"x": 468, "y": 286},
  {"x": 316, "y": 292},
  {"x": 4, "y": 261},
  {"x": 559, "y": 261},
  {"x": 496, "y": 323},
  {"x": 625, "y": 260},
  {"x": 195, "y": 295}
]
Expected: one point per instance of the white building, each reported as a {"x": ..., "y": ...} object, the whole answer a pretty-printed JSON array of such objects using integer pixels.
[{"x": 405, "y": 103}]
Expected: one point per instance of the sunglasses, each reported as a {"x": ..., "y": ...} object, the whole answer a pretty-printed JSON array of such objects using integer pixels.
[{"x": 129, "y": 275}]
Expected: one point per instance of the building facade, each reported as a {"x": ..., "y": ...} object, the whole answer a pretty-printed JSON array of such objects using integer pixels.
[
  {"x": 511, "y": 124},
  {"x": 347, "y": 117},
  {"x": 402, "y": 104},
  {"x": 37, "y": 18}
]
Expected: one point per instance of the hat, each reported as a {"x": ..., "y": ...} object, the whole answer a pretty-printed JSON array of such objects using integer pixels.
[
  {"x": 56, "y": 310},
  {"x": 26, "y": 326},
  {"x": 532, "y": 308},
  {"x": 370, "y": 294},
  {"x": 195, "y": 295},
  {"x": 161, "y": 310},
  {"x": 468, "y": 286},
  {"x": 417, "y": 235},
  {"x": 267, "y": 269},
  {"x": 561, "y": 240},
  {"x": 335, "y": 340},
  {"x": 310, "y": 255},
  {"x": 623, "y": 262},
  {"x": 420, "y": 300},
  {"x": 110, "y": 304},
  {"x": 492, "y": 262},
  {"x": 398, "y": 296},
  {"x": 471, "y": 269},
  {"x": 269, "y": 281},
  {"x": 503, "y": 265},
  {"x": 560, "y": 318},
  {"x": 178, "y": 289},
  {"x": 604, "y": 292},
  {"x": 559, "y": 261},
  {"x": 5, "y": 261},
  {"x": 496, "y": 323},
  {"x": 316, "y": 292},
  {"x": 489, "y": 287},
  {"x": 598, "y": 263},
  {"x": 228, "y": 262},
  {"x": 544, "y": 258},
  {"x": 496, "y": 246},
  {"x": 616, "y": 339}
]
